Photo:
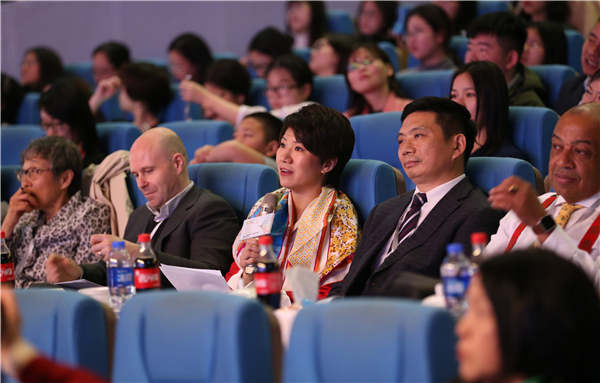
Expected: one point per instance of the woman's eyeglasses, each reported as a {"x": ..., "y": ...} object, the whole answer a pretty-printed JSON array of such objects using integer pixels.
[
  {"x": 281, "y": 89},
  {"x": 354, "y": 65}
]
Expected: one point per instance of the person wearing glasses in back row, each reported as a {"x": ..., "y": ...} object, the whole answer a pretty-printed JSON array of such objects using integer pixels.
[
  {"x": 289, "y": 83},
  {"x": 48, "y": 215}
]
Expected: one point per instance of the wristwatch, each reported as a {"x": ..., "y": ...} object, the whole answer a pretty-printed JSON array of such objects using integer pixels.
[{"x": 544, "y": 225}]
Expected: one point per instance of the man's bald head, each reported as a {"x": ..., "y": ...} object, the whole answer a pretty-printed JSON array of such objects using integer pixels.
[
  {"x": 591, "y": 111},
  {"x": 161, "y": 139}
]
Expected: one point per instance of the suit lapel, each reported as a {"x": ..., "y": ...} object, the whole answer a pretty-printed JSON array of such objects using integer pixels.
[{"x": 178, "y": 216}]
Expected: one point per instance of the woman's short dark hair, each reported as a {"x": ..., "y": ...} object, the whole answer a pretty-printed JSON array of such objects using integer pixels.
[
  {"x": 324, "y": 132},
  {"x": 555, "y": 42},
  {"x": 492, "y": 103},
  {"x": 342, "y": 45},
  {"x": 148, "y": 84},
  {"x": 271, "y": 125},
  {"x": 356, "y": 101},
  {"x": 547, "y": 313},
  {"x": 389, "y": 12},
  {"x": 61, "y": 153},
  {"x": 67, "y": 101},
  {"x": 436, "y": 18},
  {"x": 117, "y": 53},
  {"x": 12, "y": 96},
  {"x": 296, "y": 66},
  {"x": 196, "y": 51},
  {"x": 50, "y": 64},
  {"x": 230, "y": 75},
  {"x": 271, "y": 42},
  {"x": 318, "y": 19}
]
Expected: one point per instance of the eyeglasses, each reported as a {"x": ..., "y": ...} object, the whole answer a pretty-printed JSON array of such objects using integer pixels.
[
  {"x": 281, "y": 89},
  {"x": 30, "y": 173},
  {"x": 359, "y": 64}
]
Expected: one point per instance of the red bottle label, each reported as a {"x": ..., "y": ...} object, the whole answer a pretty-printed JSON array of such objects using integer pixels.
[
  {"x": 267, "y": 283},
  {"x": 7, "y": 271},
  {"x": 147, "y": 278}
]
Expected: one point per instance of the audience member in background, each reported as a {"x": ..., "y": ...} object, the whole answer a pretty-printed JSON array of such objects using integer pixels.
[
  {"x": 228, "y": 79},
  {"x": 592, "y": 91},
  {"x": 306, "y": 21},
  {"x": 460, "y": 13},
  {"x": 375, "y": 20},
  {"x": 48, "y": 215},
  {"x": 480, "y": 87},
  {"x": 189, "y": 56},
  {"x": 546, "y": 44},
  {"x": 554, "y": 11},
  {"x": 329, "y": 54},
  {"x": 317, "y": 223},
  {"x": 531, "y": 317},
  {"x": 267, "y": 45},
  {"x": 427, "y": 36},
  {"x": 499, "y": 37},
  {"x": 573, "y": 89},
  {"x": 372, "y": 82},
  {"x": 189, "y": 226},
  {"x": 254, "y": 141},
  {"x": 144, "y": 91},
  {"x": 12, "y": 97},
  {"x": 559, "y": 221},
  {"x": 64, "y": 111},
  {"x": 289, "y": 83},
  {"x": 22, "y": 361},
  {"x": 409, "y": 233},
  {"x": 108, "y": 58},
  {"x": 40, "y": 67}
]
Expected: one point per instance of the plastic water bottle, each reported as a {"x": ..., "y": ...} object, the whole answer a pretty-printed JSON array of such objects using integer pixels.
[
  {"x": 120, "y": 276},
  {"x": 456, "y": 273},
  {"x": 7, "y": 267},
  {"x": 267, "y": 277},
  {"x": 146, "y": 273}
]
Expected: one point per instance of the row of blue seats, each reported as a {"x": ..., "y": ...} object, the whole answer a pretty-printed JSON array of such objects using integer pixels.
[{"x": 212, "y": 337}]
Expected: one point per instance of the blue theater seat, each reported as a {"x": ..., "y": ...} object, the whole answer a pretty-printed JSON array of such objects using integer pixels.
[
  {"x": 175, "y": 111},
  {"x": 339, "y": 22},
  {"x": 553, "y": 77},
  {"x": 116, "y": 135},
  {"x": 575, "y": 42},
  {"x": 390, "y": 51},
  {"x": 82, "y": 69},
  {"x": 488, "y": 172},
  {"x": 15, "y": 139},
  {"x": 371, "y": 340},
  {"x": 459, "y": 45},
  {"x": 111, "y": 110},
  {"x": 331, "y": 91},
  {"x": 257, "y": 96},
  {"x": 488, "y": 6},
  {"x": 197, "y": 133},
  {"x": 10, "y": 183},
  {"x": 303, "y": 52},
  {"x": 29, "y": 110},
  {"x": 427, "y": 83}
]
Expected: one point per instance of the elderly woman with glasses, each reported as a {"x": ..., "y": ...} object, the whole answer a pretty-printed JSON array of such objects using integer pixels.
[
  {"x": 289, "y": 83},
  {"x": 48, "y": 215}
]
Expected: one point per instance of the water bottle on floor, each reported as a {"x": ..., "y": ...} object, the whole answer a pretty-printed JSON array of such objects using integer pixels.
[
  {"x": 120, "y": 276},
  {"x": 456, "y": 273}
]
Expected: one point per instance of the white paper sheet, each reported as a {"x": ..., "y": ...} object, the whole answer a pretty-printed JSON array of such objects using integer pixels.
[
  {"x": 77, "y": 284},
  {"x": 257, "y": 226},
  {"x": 187, "y": 279}
]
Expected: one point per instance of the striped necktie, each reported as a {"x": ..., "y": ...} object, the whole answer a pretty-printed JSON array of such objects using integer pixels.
[
  {"x": 408, "y": 226},
  {"x": 565, "y": 213}
]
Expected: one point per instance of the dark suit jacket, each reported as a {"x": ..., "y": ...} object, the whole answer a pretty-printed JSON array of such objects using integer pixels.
[
  {"x": 198, "y": 234},
  {"x": 570, "y": 94},
  {"x": 462, "y": 211}
]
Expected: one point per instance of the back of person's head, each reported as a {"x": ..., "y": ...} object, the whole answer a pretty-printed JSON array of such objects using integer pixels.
[
  {"x": 547, "y": 312},
  {"x": 230, "y": 75},
  {"x": 61, "y": 153},
  {"x": 389, "y": 13},
  {"x": 509, "y": 30},
  {"x": 555, "y": 42},
  {"x": 342, "y": 45},
  {"x": 271, "y": 42},
  {"x": 318, "y": 18},
  {"x": 436, "y": 18},
  {"x": 467, "y": 11},
  {"x": 270, "y": 125},
  {"x": 12, "y": 96},
  {"x": 147, "y": 83},
  {"x": 492, "y": 102},
  {"x": 50, "y": 64},
  {"x": 67, "y": 101},
  {"x": 452, "y": 117},
  {"x": 324, "y": 132},
  {"x": 295, "y": 66},
  {"x": 193, "y": 48},
  {"x": 116, "y": 52}
]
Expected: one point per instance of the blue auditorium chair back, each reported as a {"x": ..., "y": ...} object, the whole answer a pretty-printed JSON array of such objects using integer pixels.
[
  {"x": 427, "y": 83},
  {"x": 67, "y": 326},
  {"x": 487, "y": 6},
  {"x": 15, "y": 139},
  {"x": 175, "y": 111},
  {"x": 371, "y": 340},
  {"x": 339, "y": 22},
  {"x": 331, "y": 91},
  {"x": 532, "y": 129},
  {"x": 390, "y": 51},
  {"x": 303, "y": 52},
  {"x": 257, "y": 96},
  {"x": 29, "y": 110},
  {"x": 116, "y": 135},
  {"x": 111, "y": 110},
  {"x": 82, "y": 69},
  {"x": 459, "y": 45},
  {"x": 553, "y": 77},
  {"x": 225, "y": 55},
  {"x": 200, "y": 336},
  {"x": 10, "y": 183},
  {"x": 197, "y": 133},
  {"x": 368, "y": 183},
  {"x": 488, "y": 172},
  {"x": 575, "y": 42}
]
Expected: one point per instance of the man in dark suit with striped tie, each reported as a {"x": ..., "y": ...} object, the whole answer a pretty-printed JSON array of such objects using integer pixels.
[{"x": 409, "y": 233}]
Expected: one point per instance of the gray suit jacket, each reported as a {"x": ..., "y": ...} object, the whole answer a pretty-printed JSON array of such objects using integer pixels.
[
  {"x": 462, "y": 211},
  {"x": 198, "y": 234}
]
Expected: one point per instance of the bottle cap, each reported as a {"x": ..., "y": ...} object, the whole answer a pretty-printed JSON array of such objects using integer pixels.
[
  {"x": 265, "y": 240},
  {"x": 118, "y": 245},
  {"x": 454, "y": 248},
  {"x": 144, "y": 237},
  {"x": 479, "y": 238},
  {"x": 2, "y": 234}
]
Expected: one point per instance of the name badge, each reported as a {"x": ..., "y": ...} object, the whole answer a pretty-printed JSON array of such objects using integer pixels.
[{"x": 257, "y": 226}]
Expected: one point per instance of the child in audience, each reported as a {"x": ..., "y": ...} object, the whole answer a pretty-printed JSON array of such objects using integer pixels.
[
  {"x": 228, "y": 79},
  {"x": 289, "y": 83},
  {"x": 108, "y": 58},
  {"x": 189, "y": 55},
  {"x": 266, "y": 46},
  {"x": 254, "y": 141},
  {"x": 40, "y": 67},
  {"x": 329, "y": 54},
  {"x": 372, "y": 82},
  {"x": 481, "y": 88},
  {"x": 546, "y": 44},
  {"x": 306, "y": 21}
]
